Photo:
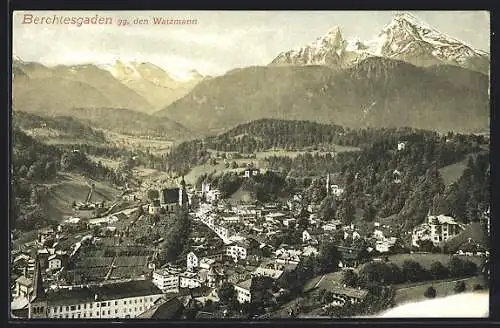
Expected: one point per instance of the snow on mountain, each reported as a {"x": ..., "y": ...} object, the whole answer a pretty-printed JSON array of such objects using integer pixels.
[
  {"x": 404, "y": 38},
  {"x": 127, "y": 71},
  {"x": 153, "y": 82}
]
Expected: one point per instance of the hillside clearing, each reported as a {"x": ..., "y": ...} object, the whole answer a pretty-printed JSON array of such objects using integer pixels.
[
  {"x": 72, "y": 187},
  {"x": 453, "y": 172}
]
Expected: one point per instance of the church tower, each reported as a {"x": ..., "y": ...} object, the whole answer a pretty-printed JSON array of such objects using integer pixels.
[
  {"x": 328, "y": 188},
  {"x": 183, "y": 197},
  {"x": 37, "y": 308}
]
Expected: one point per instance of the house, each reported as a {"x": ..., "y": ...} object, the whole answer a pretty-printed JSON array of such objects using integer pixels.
[
  {"x": 438, "y": 229},
  {"x": 164, "y": 309},
  {"x": 251, "y": 172},
  {"x": 243, "y": 293},
  {"x": 336, "y": 190},
  {"x": 267, "y": 272},
  {"x": 378, "y": 234},
  {"x": 350, "y": 256},
  {"x": 167, "y": 280},
  {"x": 236, "y": 251},
  {"x": 55, "y": 262},
  {"x": 22, "y": 287},
  {"x": 206, "y": 263},
  {"x": 154, "y": 207},
  {"x": 309, "y": 250},
  {"x": 109, "y": 301},
  {"x": 306, "y": 236},
  {"x": 343, "y": 294},
  {"x": 189, "y": 280},
  {"x": 332, "y": 226},
  {"x": 397, "y": 176},
  {"x": 382, "y": 246},
  {"x": 290, "y": 222},
  {"x": 192, "y": 261}
]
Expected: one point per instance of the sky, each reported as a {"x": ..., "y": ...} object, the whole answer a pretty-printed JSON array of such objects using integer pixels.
[{"x": 219, "y": 41}]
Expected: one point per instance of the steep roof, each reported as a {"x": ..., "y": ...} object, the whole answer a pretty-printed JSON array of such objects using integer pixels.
[
  {"x": 38, "y": 291},
  {"x": 170, "y": 195},
  {"x": 245, "y": 284},
  {"x": 168, "y": 309}
]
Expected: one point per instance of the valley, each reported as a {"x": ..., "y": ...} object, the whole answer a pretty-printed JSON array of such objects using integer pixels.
[{"x": 340, "y": 179}]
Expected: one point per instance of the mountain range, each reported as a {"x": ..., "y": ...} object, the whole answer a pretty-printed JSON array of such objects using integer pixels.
[
  {"x": 404, "y": 38},
  {"x": 375, "y": 92},
  {"x": 410, "y": 74},
  {"x": 139, "y": 86}
]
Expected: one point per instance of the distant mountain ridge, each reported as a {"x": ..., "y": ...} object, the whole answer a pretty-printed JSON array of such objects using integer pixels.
[
  {"x": 140, "y": 86},
  {"x": 376, "y": 92},
  {"x": 404, "y": 38}
]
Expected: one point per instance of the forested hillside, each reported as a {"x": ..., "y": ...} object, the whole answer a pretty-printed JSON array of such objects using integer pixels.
[{"x": 35, "y": 164}]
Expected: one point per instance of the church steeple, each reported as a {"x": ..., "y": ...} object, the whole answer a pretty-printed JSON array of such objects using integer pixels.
[
  {"x": 37, "y": 302},
  {"x": 38, "y": 291}
]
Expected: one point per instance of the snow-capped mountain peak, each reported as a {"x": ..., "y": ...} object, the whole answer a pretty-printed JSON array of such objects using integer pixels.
[{"x": 405, "y": 38}]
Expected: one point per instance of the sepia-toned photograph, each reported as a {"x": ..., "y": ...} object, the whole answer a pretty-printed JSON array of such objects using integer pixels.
[{"x": 249, "y": 165}]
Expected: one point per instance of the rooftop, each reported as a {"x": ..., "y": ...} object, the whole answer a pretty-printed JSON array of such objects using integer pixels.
[
  {"x": 112, "y": 291},
  {"x": 167, "y": 309},
  {"x": 245, "y": 284},
  {"x": 349, "y": 292}
]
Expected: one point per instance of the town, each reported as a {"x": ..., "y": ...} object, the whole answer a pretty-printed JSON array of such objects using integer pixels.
[{"x": 230, "y": 262}]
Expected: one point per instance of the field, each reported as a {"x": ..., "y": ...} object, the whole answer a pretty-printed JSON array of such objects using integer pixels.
[
  {"x": 219, "y": 168},
  {"x": 69, "y": 188},
  {"x": 443, "y": 288},
  {"x": 453, "y": 172},
  {"x": 338, "y": 149},
  {"x": 156, "y": 146},
  {"x": 426, "y": 260},
  {"x": 112, "y": 164}
]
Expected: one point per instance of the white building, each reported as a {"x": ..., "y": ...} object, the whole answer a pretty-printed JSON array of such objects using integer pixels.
[
  {"x": 401, "y": 146},
  {"x": 192, "y": 261},
  {"x": 267, "y": 272},
  {"x": 118, "y": 300},
  {"x": 336, "y": 190},
  {"x": 55, "y": 262},
  {"x": 206, "y": 263},
  {"x": 242, "y": 289},
  {"x": 236, "y": 251},
  {"x": 251, "y": 172},
  {"x": 332, "y": 226},
  {"x": 189, "y": 280},
  {"x": 167, "y": 280},
  {"x": 306, "y": 236},
  {"x": 438, "y": 229}
]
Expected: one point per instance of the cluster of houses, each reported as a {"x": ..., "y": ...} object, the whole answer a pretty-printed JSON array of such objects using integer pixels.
[{"x": 246, "y": 232}]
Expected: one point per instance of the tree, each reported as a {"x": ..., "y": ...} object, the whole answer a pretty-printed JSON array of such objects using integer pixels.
[
  {"x": 350, "y": 278},
  {"x": 413, "y": 271},
  {"x": 369, "y": 214},
  {"x": 439, "y": 271},
  {"x": 227, "y": 294},
  {"x": 328, "y": 208},
  {"x": 328, "y": 257},
  {"x": 153, "y": 194},
  {"x": 430, "y": 292},
  {"x": 477, "y": 287},
  {"x": 459, "y": 287}
]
